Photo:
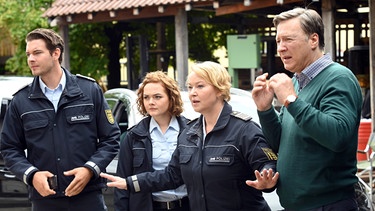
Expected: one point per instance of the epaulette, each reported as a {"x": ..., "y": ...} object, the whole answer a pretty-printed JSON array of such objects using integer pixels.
[
  {"x": 193, "y": 120},
  {"x": 131, "y": 127},
  {"x": 24, "y": 87},
  {"x": 240, "y": 115},
  {"x": 85, "y": 77}
]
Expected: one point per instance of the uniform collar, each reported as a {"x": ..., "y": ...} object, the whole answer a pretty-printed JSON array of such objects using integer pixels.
[
  {"x": 172, "y": 124},
  {"x": 61, "y": 84},
  {"x": 71, "y": 88},
  {"x": 197, "y": 127}
]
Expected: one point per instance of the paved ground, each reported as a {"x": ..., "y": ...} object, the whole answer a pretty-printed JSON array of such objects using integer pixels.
[{"x": 273, "y": 201}]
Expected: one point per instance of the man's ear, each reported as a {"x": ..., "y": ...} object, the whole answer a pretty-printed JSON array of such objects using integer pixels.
[
  {"x": 56, "y": 53},
  {"x": 314, "y": 41}
]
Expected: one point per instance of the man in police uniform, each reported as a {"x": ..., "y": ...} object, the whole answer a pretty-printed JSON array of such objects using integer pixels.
[{"x": 67, "y": 128}]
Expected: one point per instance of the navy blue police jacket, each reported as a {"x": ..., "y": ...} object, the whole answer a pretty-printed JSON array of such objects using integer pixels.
[
  {"x": 215, "y": 169},
  {"x": 135, "y": 157},
  {"x": 82, "y": 132}
]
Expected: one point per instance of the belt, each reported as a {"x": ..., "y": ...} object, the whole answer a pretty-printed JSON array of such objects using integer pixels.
[{"x": 170, "y": 205}]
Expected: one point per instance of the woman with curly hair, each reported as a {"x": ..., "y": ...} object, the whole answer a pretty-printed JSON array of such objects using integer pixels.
[{"x": 148, "y": 146}]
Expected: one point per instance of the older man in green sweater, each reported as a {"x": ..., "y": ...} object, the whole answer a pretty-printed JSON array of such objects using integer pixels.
[{"x": 316, "y": 132}]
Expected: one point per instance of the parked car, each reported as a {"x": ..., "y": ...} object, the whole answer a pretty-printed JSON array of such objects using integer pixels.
[{"x": 13, "y": 192}]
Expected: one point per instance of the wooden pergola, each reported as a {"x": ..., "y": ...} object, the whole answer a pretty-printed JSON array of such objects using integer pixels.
[{"x": 65, "y": 12}]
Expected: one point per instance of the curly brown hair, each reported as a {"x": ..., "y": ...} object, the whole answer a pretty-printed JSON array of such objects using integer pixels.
[{"x": 172, "y": 90}]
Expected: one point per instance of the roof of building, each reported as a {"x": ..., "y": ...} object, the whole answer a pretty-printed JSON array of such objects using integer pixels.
[
  {"x": 82, "y": 11},
  {"x": 68, "y": 7}
]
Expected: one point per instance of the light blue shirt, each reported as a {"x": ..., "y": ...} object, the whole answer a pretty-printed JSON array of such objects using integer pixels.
[
  {"x": 163, "y": 146},
  {"x": 53, "y": 95}
]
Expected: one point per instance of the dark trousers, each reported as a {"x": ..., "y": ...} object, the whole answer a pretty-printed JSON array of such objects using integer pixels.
[
  {"x": 92, "y": 201},
  {"x": 178, "y": 205}
]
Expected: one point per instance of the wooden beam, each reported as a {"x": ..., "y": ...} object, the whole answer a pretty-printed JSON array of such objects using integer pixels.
[
  {"x": 239, "y": 7},
  {"x": 121, "y": 15}
]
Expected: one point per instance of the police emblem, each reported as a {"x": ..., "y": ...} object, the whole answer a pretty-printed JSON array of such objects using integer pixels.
[
  {"x": 270, "y": 154},
  {"x": 109, "y": 115}
]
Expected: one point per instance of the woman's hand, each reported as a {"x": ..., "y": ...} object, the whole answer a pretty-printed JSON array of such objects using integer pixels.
[
  {"x": 117, "y": 182},
  {"x": 265, "y": 180}
]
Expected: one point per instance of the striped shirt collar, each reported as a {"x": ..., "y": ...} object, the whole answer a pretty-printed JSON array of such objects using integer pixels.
[{"x": 312, "y": 70}]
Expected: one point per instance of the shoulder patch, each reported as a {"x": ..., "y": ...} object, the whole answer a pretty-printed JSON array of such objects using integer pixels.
[
  {"x": 240, "y": 115},
  {"x": 193, "y": 120},
  {"x": 109, "y": 116},
  {"x": 24, "y": 87},
  {"x": 85, "y": 77}
]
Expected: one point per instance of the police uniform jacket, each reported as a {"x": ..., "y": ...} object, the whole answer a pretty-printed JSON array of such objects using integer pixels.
[
  {"x": 82, "y": 132},
  {"x": 135, "y": 157},
  {"x": 215, "y": 169}
]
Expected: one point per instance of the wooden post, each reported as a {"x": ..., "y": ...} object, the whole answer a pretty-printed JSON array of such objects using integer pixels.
[
  {"x": 328, "y": 16},
  {"x": 182, "y": 47},
  {"x": 64, "y": 33},
  {"x": 372, "y": 58}
]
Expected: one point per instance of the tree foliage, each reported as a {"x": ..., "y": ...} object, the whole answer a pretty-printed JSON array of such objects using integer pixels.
[
  {"x": 17, "y": 18},
  {"x": 88, "y": 49},
  {"x": 89, "y": 43}
]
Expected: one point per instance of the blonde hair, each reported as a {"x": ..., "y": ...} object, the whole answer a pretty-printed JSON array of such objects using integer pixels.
[
  {"x": 171, "y": 87},
  {"x": 215, "y": 75}
]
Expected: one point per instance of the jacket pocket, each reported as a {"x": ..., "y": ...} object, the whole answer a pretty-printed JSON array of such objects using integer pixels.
[
  {"x": 184, "y": 159},
  {"x": 80, "y": 118},
  {"x": 79, "y": 114},
  {"x": 219, "y": 160},
  {"x": 137, "y": 162},
  {"x": 34, "y": 125}
]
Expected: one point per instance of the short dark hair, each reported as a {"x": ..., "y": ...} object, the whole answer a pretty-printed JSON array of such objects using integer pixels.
[{"x": 52, "y": 39}]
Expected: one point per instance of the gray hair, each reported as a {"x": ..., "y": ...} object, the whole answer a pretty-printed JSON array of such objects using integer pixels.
[{"x": 311, "y": 22}]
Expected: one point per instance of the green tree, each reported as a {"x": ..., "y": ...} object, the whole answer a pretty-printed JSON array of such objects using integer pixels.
[
  {"x": 92, "y": 46},
  {"x": 17, "y": 18},
  {"x": 87, "y": 43},
  {"x": 88, "y": 49}
]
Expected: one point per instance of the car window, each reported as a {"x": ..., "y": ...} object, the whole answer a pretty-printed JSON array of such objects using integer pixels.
[
  {"x": 3, "y": 108},
  {"x": 121, "y": 116}
]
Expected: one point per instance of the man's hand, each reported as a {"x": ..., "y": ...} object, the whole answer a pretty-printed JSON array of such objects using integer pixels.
[
  {"x": 82, "y": 176},
  {"x": 117, "y": 182},
  {"x": 265, "y": 180},
  {"x": 262, "y": 93},
  {"x": 283, "y": 86},
  {"x": 40, "y": 183}
]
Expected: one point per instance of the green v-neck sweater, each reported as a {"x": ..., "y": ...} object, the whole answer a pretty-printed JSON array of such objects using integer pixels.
[{"x": 316, "y": 140}]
